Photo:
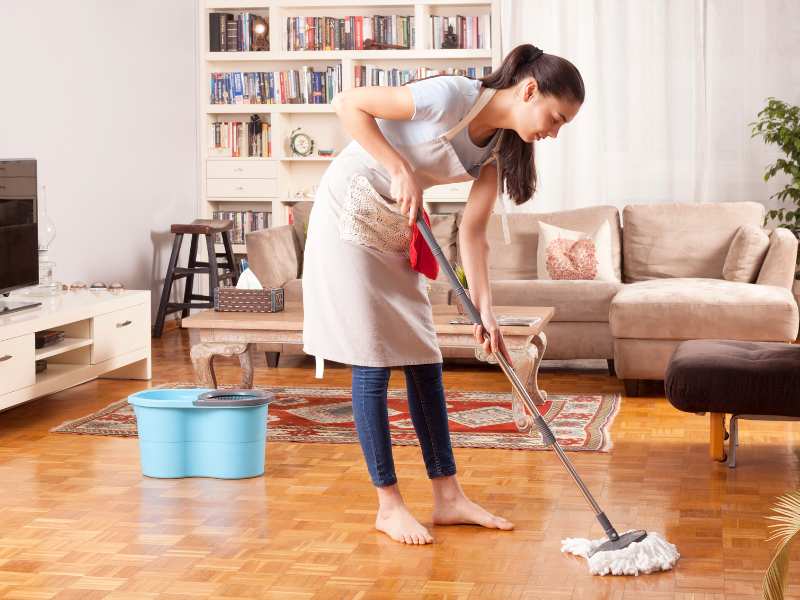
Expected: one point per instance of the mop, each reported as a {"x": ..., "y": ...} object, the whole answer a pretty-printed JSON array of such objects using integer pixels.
[{"x": 631, "y": 553}]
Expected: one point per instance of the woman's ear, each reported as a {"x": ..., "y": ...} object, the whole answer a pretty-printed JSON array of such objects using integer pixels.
[{"x": 529, "y": 89}]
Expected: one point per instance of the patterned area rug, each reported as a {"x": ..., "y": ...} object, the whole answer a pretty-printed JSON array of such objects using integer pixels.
[{"x": 476, "y": 419}]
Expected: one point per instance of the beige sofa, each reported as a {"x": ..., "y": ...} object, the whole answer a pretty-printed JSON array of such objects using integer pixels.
[{"x": 669, "y": 258}]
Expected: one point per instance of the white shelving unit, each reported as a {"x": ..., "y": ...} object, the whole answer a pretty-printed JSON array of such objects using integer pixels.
[{"x": 269, "y": 184}]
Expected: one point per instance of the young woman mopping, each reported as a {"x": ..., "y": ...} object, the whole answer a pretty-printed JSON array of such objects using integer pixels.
[{"x": 364, "y": 296}]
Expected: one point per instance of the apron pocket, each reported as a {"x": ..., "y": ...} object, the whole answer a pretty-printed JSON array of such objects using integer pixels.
[{"x": 368, "y": 219}]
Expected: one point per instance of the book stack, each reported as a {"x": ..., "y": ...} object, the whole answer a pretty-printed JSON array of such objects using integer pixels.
[
  {"x": 244, "y": 222},
  {"x": 348, "y": 33},
  {"x": 48, "y": 337},
  {"x": 304, "y": 86},
  {"x": 240, "y": 139},
  {"x": 243, "y": 32},
  {"x": 471, "y": 31},
  {"x": 367, "y": 75}
]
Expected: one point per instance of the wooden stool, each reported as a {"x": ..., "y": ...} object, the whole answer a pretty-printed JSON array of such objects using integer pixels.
[{"x": 209, "y": 228}]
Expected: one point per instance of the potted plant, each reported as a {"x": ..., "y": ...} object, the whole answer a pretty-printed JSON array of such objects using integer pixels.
[
  {"x": 787, "y": 528},
  {"x": 462, "y": 278},
  {"x": 779, "y": 123}
]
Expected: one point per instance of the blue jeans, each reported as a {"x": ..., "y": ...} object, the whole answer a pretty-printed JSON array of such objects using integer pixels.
[{"x": 426, "y": 403}]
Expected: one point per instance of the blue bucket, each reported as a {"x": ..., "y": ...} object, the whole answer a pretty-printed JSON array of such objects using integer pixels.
[{"x": 200, "y": 432}]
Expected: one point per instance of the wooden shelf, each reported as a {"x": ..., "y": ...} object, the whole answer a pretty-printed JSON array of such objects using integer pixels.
[
  {"x": 61, "y": 347},
  {"x": 225, "y": 109},
  {"x": 266, "y": 4},
  {"x": 336, "y": 55},
  {"x": 288, "y": 176}
]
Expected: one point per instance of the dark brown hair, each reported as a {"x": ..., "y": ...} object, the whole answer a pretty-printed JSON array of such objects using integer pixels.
[{"x": 556, "y": 77}]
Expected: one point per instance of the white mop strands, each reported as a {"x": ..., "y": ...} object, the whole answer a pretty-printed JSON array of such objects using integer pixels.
[{"x": 653, "y": 553}]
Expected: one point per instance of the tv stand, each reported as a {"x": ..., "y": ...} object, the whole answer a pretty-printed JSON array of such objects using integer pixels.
[
  {"x": 105, "y": 335},
  {"x": 6, "y": 306}
]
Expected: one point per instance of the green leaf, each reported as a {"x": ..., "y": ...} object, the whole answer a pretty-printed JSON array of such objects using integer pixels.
[{"x": 787, "y": 527}]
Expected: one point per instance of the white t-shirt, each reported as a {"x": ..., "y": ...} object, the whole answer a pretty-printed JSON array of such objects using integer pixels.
[{"x": 439, "y": 104}]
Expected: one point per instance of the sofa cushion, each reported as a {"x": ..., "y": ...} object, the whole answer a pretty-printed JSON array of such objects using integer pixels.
[
  {"x": 687, "y": 309},
  {"x": 572, "y": 300},
  {"x": 517, "y": 260},
  {"x": 780, "y": 262},
  {"x": 274, "y": 255},
  {"x": 681, "y": 240},
  {"x": 747, "y": 251},
  {"x": 575, "y": 255}
]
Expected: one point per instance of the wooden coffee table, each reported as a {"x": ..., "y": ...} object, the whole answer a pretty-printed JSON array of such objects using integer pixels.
[{"x": 232, "y": 333}]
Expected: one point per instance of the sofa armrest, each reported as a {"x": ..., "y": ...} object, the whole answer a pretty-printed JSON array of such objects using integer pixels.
[
  {"x": 274, "y": 255},
  {"x": 780, "y": 262}
]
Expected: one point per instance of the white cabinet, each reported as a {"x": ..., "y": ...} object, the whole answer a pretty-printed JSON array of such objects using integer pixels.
[
  {"x": 105, "y": 335},
  {"x": 17, "y": 364}
]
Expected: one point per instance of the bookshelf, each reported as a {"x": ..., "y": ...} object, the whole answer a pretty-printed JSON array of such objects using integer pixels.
[{"x": 269, "y": 183}]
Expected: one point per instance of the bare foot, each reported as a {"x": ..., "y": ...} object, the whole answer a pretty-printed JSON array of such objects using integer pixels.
[
  {"x": 401, "y": 526},
  {"x": 462, "y": 510}
]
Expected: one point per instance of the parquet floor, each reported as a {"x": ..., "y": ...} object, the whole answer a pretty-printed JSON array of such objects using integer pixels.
[{"x": 77, "y": 519}]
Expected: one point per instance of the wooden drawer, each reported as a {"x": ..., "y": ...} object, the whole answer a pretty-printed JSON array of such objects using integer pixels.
[
  {"x": 17, "y": 187},
  {"x": 449, "y": 190},
  {"x": 242, "y": 188},
  {"x": 241, "y": 169},
  {"x": 17, "y": 363},
  {"x": 119, "y": 332},
  {"x": 18, "y": 168}
]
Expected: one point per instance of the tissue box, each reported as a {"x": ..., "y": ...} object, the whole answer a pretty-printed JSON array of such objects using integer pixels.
[{"x": 228, "y": 299}]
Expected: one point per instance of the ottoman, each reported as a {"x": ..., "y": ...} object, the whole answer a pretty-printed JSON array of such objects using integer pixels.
[{"x": 748, "y": 380}]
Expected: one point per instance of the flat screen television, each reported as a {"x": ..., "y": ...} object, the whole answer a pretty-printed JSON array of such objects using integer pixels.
[{"x": 19, "y": 243}]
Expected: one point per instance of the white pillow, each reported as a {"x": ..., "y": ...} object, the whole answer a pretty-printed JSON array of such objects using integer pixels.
[{"x": 567, "y": 254}]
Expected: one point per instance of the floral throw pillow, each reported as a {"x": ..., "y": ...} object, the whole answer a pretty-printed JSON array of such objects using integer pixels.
[{"x": 567, "y": 254}]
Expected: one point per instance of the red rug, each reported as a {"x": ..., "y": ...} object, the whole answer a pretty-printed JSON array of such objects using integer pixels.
[{"x": 476, "y": 419}]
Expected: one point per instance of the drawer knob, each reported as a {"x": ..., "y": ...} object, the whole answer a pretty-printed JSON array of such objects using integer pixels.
[
  {"x": 239, "y": 169},
  {"x": 5, "y": 358},
  {"x": 239, "y": 187},
  {"x": 124, "y": 324}
]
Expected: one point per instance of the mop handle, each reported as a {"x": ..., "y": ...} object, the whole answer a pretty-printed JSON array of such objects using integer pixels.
[{"x": 547, "y": 434}]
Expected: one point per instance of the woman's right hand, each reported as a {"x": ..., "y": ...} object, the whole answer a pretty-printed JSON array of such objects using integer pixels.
[{"x": 407, "y": 192}]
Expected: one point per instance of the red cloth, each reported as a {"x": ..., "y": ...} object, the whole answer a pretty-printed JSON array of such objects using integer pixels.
[{"x": 420, "y": 254}]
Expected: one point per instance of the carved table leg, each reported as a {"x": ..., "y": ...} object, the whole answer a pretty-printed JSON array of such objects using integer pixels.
[
  {"x": 203, "y": 361},
  {"x": 526, "y": 361}
]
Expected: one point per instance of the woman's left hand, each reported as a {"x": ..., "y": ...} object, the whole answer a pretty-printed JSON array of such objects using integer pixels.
[{"x": 496, "y": 342}]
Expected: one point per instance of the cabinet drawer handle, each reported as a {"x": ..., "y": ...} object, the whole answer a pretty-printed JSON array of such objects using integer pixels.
[
  {"x": 239, "y": 187},
  {"x": 238, "y": 169},
  {"x": 124, "y": 324},
  {"x": 5, "y": 358}
]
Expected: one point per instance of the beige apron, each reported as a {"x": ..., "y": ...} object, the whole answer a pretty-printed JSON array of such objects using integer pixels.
[{"x": 363, "y": 304}]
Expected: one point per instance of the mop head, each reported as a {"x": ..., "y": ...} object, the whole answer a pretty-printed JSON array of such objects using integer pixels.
[{"x": 653, "y": 553}]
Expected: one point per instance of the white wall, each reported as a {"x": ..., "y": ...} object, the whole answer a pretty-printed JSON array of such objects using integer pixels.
[{"x": 103, "y": 95}]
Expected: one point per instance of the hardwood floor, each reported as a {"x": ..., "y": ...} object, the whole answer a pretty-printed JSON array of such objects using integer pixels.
[{"x": 78, "y": 520}]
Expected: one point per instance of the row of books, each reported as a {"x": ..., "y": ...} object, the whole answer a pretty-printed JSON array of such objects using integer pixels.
[
  {"x": 468, "y": 31},
  {"x": 348, "y": 33},
  {"x": 367, "y": 75},
  {"x": 303, "y": 86},
  {"x": 238, "y": 139},
  {"x": 244, "y": 222},
  {"x": 243, "y": 32}
]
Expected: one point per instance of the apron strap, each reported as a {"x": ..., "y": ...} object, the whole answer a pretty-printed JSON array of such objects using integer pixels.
[
  {"x": 320, "y": 366},
  {"x": 483, "y": 99}
]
